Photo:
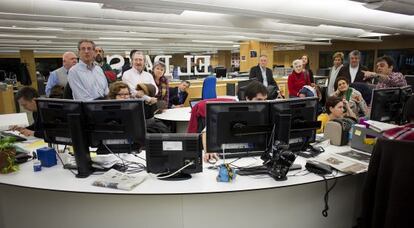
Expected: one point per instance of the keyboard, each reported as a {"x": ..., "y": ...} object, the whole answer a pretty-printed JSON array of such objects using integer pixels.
[
  {"x": 19, "y": 138},
  {"x": 241, "y": 154}
]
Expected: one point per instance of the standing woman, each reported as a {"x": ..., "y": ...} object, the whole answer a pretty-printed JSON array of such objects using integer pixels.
[
  {"x": 338, "y": 59},
  {"x": 162, "y": 83},
  {"x": 306, "y": 68},
  {"x": 297, "y": 79}
]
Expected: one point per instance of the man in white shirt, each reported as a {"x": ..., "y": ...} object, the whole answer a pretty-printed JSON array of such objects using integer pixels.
[{"x": 136, "y": 74}]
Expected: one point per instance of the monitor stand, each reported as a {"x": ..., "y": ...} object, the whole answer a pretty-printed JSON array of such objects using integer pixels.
[{"x": 177, "y": 177}]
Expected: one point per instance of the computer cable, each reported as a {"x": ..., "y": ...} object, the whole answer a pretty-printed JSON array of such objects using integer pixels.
[
  {"x": 174, "y": 173},
  {"x": 63, "y": 164},
  {"x": 326, "y": 196},
  {"x": 127, "y": 164}
]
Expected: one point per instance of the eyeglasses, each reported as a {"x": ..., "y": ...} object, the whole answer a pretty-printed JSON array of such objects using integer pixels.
[{"x": 123, "y": 94}]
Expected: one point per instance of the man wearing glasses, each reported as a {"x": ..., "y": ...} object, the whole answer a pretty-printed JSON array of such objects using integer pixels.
[{"x": 87, "y": 81}]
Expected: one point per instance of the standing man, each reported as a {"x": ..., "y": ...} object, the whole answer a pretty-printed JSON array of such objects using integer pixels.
[
  {"x": 60, "y": 76},
  {"x": 385, "y": 75},
  {"x": 136, "y": 75},
  {"x": 178, "y": 95},
  {"x": 87, "y": 80},
  {"x": 100, "y": 60},
  {"x": 353, "y": 70},
  {"x": 263, "y": 74}
]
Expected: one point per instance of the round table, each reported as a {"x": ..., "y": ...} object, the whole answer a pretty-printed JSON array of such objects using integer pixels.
[{"x": 178, "y": 116}]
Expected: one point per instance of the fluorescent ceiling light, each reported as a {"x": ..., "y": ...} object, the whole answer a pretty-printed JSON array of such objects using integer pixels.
[
  {"x": 373, "y": 34},
  {"x": 27, "y": 36},
  {"x": 236, "y": 45},
  {"x": 213, "y": 41},
  {"x": 126, "y": 38},
  {"x": 321, "y": 39},
  {"x": 25, "y": 28}
]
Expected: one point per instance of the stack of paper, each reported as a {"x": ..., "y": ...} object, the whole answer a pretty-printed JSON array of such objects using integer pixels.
[{"x": 119, "y": 180}]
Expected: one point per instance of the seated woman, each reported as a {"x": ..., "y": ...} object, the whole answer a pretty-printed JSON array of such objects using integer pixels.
[
  {"x": 336, "y": 108},
  {"x": 297, "y": 79},
  {"x": 353, "y": 96},
  {"x": 119, "y": 91},
  {"x": 162, "y": 83}
]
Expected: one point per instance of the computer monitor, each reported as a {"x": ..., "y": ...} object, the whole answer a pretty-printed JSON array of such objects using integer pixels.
[
  {"x": 220, "y": 72},
  {"x": 405, "y": 93},
  {"x": 295, "y": 121},
  {"x": 63, "y": 122},
  {"x": 116, "y": 126},
  {"x": 54, "y": 117},
  {"x": 410, "y": 80},
  {"x": 175, "y": 156},
  {"x": 237, "y": 126},
  {"x": 386, "y": 105}
]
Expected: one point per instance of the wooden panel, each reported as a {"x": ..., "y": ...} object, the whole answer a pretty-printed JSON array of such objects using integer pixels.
[{"x": 7, "y": 101}]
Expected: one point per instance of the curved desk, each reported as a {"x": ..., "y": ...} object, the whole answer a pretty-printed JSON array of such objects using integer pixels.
[
  {"x": 55, "y": 198},
  {"x": 180, "y": 116}
]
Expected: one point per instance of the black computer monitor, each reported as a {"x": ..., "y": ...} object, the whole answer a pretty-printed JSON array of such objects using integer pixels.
[
  {"x": 410, "y": 80},
  {"x": 405, "y": 93},
  {"x": 386, "y": 105},
  {"x": 63, "y": 122},
  {"x": 54, "y": 117},
  {"x": 220, "y": 72},
  {"x": 175, "y": 156},
  {"x": 295, "y": 121},
  {"x": 116, "y": 126},
  {"x": 237, "y": 126}
]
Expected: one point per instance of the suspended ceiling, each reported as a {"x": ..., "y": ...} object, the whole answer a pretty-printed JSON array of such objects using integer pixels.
[{"x": 176, "y": 26}]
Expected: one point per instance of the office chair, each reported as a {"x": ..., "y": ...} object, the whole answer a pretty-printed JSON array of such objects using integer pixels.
[
  {"x": 209, "y": 88},
  {"x": 241, "y": 89},
  {"x": 387, "y": 197},
  {"x": 410, "y": 80}
]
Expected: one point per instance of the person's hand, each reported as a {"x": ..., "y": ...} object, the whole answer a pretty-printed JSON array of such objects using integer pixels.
[
  {"x": 26, "y": 132},
  {"x": 368, "y": 74},
  {"x": 139, "y": 94},
  {"x": 211, "y": 157},
  {"x": 153, "y": 100},
  {"x": 15, "y": 128},
  {"x": 356, "y": 98}
]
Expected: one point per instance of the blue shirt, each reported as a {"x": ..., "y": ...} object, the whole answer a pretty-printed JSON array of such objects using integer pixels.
[
  {"x": 51, "y": 81},
  {"x": 87, "y": 82}
]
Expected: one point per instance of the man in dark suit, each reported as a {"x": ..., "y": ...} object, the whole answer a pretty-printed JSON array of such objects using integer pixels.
[
  {"x": 353, "y": 70},
  {"x": 178, "y": 95},
  {"x": 263, "y": 74}
]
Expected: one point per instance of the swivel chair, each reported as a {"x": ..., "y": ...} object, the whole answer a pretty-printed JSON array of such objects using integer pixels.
[{"x": 209, "y": 88}]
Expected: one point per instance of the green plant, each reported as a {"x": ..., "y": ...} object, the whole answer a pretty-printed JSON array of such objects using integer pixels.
[{"x": 7, "y": 155}]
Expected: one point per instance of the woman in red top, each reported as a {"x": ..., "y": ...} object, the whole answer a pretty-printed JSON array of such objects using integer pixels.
[{"x": 297, "y": 79}]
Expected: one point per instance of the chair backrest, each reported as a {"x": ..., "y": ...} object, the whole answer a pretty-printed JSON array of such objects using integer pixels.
[
  {"x": 241, "y": 88},
  {"x": 209, "y": 88}
]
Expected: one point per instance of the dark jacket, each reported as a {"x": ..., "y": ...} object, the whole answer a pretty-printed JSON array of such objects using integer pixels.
[
  {"x": 256, "y": 73},
  {"x": 387, "y": 197},
  {"x": 174, "y": 98},
  {"x": 37, "y": 126},
  {"x": 344, "y": 72}
]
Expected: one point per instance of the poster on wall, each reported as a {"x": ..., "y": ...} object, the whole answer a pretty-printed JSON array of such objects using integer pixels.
[
  {"x": 243, "y": 58},
  {"x": 253, "y": 54}
]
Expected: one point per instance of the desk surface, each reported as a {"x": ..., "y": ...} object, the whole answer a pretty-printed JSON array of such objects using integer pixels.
[
  {"x": 175, "y": 114},
  {"x": 58, "y": 179}
]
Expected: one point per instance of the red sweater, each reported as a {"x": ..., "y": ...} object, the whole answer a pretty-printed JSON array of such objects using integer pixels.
[{"x": 296, "y": 82}]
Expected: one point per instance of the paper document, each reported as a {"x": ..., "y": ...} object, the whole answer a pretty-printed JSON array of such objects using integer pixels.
[
  {"x": 8, "y": 120},
  {"x": 119, "y": 180},
  {"x": 380, "y": 126},
  {"x": 348, "y": 162}
]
